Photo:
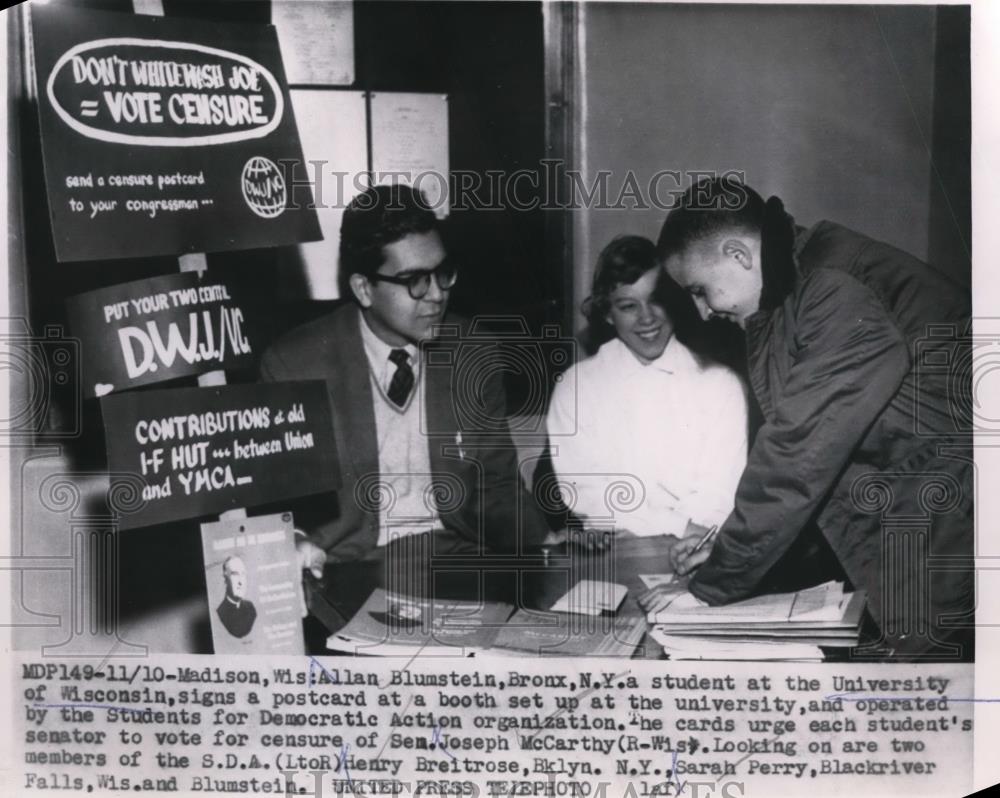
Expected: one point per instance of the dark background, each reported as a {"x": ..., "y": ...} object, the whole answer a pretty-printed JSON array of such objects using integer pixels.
[{"x": 488, "y": 58}]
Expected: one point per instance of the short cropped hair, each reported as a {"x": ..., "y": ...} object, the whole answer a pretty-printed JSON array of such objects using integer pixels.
[
  {"x": 377, "y": 217},
  {"x": 722, "y": 204},
  {"x": 708, "y": 207}
]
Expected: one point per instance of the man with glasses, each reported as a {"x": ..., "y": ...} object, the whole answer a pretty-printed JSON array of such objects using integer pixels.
[{"x": 410, "y": 466}]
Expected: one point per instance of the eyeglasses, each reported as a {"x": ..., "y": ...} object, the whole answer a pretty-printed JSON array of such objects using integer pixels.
[{"x": 418, "y": 281}]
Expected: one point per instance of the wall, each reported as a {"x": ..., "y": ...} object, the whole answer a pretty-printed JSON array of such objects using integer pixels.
[
  {"x": 831, "y": 108},
  {"x": 488, "y": 59}
]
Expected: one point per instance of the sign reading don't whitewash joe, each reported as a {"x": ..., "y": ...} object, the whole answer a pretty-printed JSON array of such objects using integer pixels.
[{"x": 163, "y": 136}]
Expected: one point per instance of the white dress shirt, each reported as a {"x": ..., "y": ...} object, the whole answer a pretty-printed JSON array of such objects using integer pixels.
[
  {"x": 404, "y": 463},
  {"x": 648, "y": 447}
]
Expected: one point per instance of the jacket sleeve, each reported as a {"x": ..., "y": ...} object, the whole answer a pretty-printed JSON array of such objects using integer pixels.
[
  {"x": 850, "y": 360},
  {"x": 513, "y": 521},
  {"x": 272, "y": 368},
  {"x": 316, "y": 516}
]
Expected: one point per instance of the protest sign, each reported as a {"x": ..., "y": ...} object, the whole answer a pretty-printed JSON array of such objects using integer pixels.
[
  {"x": 154, "y": 330},
  {"x": 254, "y": 585},
  {"x": 202, "y": 451},
  {"x": 163, "y": 136}
]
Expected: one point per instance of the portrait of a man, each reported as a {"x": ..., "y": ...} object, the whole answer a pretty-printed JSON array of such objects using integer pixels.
[{"x": 236, "y": 611}]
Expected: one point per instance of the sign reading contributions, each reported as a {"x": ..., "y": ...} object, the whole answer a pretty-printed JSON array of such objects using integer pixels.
[
  {"x": 206, "y": 450},
  {"x": 162, "y": 136}
]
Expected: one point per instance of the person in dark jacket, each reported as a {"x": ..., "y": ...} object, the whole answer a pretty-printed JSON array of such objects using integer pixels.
[{"x": 852, "y": 347}]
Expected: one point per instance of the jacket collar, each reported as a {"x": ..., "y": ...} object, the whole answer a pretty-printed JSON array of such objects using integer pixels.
[
  {"x": 354, "y": 401},
  {"x": 780, "y": 272},
  {"x": 352, "y": 393},
  {"x": 779, "y": 268},
  {"x": 440, "y": 357},
  {"x": 676, "y": 358}
]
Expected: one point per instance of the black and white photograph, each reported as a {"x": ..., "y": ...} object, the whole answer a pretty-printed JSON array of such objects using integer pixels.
[{"x": 444, "y": 397}]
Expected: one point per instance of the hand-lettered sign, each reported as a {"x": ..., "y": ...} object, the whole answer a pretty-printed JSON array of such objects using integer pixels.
[
  {"x": 202, "y": 451},
  {"x": 158, "y": 329},
  {"x": 163, "y": 136}
]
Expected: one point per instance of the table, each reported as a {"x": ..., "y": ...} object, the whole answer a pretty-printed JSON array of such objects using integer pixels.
[{"x": 534, "y": 580}]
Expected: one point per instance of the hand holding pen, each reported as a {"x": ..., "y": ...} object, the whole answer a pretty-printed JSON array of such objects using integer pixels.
[
  {"x": 691, "y": 552},
  {"x": 686, "y": 555}
]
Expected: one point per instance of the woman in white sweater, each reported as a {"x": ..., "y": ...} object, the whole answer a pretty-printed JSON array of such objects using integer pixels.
[{"x": 647, "y": 438}]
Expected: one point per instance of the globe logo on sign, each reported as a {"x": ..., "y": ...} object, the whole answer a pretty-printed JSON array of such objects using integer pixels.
[{"x": 264, "y": 187}]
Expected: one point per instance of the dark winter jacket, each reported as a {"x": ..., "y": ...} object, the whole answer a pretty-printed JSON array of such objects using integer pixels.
[{"x": 857, "y": 364}]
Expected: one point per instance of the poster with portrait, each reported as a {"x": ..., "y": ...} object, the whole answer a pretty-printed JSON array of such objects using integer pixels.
[
  {"x": 164, "y": 136},
  {"x": 254, "y": 585}
]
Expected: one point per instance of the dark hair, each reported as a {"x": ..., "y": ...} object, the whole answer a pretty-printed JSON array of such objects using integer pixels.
[
  {"x": 623, "y": 261},
  {"x": 718, "y": 204},
  {"x": 379, "y": 216}
]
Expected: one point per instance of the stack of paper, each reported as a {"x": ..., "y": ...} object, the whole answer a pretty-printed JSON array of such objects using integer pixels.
[
  {"x": 591, "y": 597},
  {"x": 553, "y": 634},
  {"x": 391, "y": 624},
  {"x": 688, "y": 648},
  {"x": 779, "y": 626}
]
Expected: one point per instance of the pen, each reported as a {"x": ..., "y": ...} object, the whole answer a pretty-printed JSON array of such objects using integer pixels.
[{"x": 704, "y": 539}]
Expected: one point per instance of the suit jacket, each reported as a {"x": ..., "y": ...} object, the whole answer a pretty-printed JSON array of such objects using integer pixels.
[
  {"x": 473, "y": 460},
  {"x": 237, "y": 620}
]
